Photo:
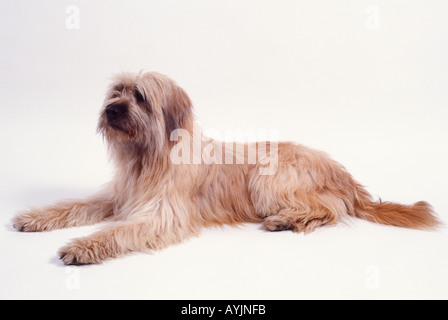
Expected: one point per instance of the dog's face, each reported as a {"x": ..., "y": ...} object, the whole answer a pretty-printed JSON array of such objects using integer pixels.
[{"x": 143, "y": 109}]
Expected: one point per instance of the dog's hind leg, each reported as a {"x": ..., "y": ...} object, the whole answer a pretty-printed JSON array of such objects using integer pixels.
[
  {"x": 307, "y": 191},
  {"x": 298, "y": 221}
]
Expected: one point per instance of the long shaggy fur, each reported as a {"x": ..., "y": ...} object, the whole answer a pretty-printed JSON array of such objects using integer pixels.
[{"x": 155, "y": 203}]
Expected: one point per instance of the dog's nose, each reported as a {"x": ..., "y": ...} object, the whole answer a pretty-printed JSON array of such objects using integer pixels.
[
  {"x": 111, "y": 113},
  {"x": 114, "y": 111}
]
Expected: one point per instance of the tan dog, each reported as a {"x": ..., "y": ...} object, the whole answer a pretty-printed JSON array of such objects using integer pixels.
[{"x": 156, "y": 202}]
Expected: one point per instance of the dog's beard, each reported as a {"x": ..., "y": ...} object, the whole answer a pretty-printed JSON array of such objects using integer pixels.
[
  {"x": 117, "y": 134},
  {"x": 122, "y": 131}
]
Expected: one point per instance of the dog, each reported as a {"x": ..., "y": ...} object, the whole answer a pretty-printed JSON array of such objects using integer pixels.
[{"x": 154, "y": 202}]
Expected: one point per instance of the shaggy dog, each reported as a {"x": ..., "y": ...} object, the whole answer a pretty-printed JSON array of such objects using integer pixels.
[{"x": 154, "y": 201}]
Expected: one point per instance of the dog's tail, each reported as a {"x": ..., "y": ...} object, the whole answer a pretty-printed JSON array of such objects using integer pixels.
[{"x": 419, "y": 215}]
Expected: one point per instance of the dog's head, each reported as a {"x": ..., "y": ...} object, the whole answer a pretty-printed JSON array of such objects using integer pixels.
[{"x": 143, "y": 109}]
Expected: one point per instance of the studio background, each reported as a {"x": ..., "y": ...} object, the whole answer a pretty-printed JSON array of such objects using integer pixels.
[{"x": 365, "y": 81}]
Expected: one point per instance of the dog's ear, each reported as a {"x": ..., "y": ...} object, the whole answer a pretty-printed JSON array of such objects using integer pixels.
[{"x": 177, "y": 111}]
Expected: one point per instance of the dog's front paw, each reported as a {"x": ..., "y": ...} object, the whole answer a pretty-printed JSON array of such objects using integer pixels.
[
  {"x": 80, "y": 252},
  {"x": 28, "y": 221}
]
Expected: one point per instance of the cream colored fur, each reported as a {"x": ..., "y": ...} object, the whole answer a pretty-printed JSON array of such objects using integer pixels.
[{"x": 155, "y": 203}]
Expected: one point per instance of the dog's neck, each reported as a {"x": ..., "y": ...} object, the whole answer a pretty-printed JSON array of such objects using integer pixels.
[
  {"x": 140, "y": 160},
  {"x": 148, "y": 159}
]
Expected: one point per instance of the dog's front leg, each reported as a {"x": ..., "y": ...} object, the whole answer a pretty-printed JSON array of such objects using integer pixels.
[
  {"x": 142, "y": 235},
  {"x": 65, "y": 214}
]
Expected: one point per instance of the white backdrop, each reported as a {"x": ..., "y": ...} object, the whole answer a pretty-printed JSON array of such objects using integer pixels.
[{"x": 364, "y": 80}]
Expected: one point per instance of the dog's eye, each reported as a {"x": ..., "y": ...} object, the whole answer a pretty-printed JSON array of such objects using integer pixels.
[{"x": 138, "y": 96}]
